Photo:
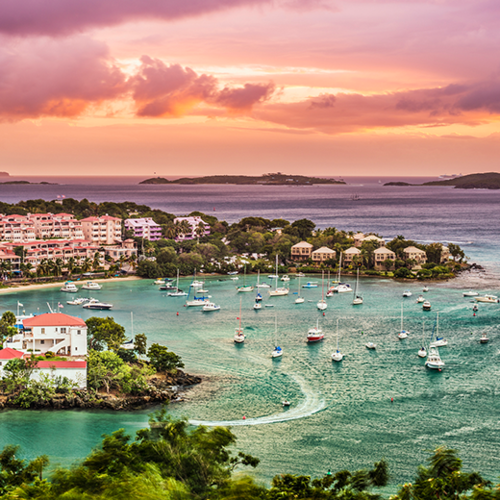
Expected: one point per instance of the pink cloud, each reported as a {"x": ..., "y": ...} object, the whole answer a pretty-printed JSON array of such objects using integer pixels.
[{"x": 46, "y": 78}]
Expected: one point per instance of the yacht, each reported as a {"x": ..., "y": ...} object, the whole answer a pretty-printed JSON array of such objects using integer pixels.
[
  {"x": 426, "y": 306},
  {"x": 196, "y": 284},
  {"x": 342, "y": 288},
  {"x": 96, "y": 305},
  {"x": 210, "y": 306},
  {"x": 434, "y": 361},
  {"x": 162, "y": 281},
  {"x": 470, "y": 293},
  {"x": 70, "y": 287},
  {"x": 77, "y": 302},
  {"x": 322, "y": 305},
  {"x": 407, "y": 293},
  {"x": 285, "y": 278},
  {"x": 239, "y": 336},
  {"x": 91, "y": 285},
  {"x": 484, "y": 339},
  {"x": 420, "y": 299},
  {"x": 263, "y": 285},
  {"x": 489, "y": 299},
  {"x": 315, "y": 334},
  {"x": 425, "y": 289},
  {"x": 178, "y": 292}
]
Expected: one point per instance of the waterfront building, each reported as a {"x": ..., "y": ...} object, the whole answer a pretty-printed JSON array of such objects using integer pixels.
[
  {"x": 381, "y": 255},
  {"x": 360, "y": 238},
  {"x": 301, "y": 251},
  {"x": 105, "y": 230},
  {"x": 8, "y": 255},
  {"x": 349, "y": 255},
  {"x": 56, "y": 226},
  {"x": 414, "y": 253},
  {"x": 16, "y": 228},
  {"x": 58, "y": 333},
  {"x": 194, "y": 222},
  {"x": 322, "y": 254},
  {"x": 126, "y": 248},
  {"x": 144, "y": 227}
]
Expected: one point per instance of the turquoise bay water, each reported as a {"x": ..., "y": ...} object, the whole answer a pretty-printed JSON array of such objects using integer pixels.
[{"x": 341, "y": 414}]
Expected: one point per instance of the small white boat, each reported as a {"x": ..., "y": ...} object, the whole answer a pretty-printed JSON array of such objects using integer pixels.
[
  {"x": 247, "y": 288},
  {"x": 434, "y": 360},
  {"x": 310, "y": 284},
  {"x": 196, "y": 284},
  {"x": 422, "y": 353},
  {"x": 337, "y": 355},
  {"x": 269, "y": 305},
  {"x": 77, "y": 302},
  {"x": 273, "y": 276},
  {"x": 285, "y": 278},
  {"x": 342, "y": 288},
  {"x": 470, "y": 293},
  {"x": 484, "y": 339},
  {"x": 278, "y": 291},
  {"x": 425, "y": 289},
  {"x": 210, "y": 306},
  {"x": 407, "y": 293},
  {"x": 300, "y": 300},
  {"x": 161, "y": 281},
  {"x": 286, "y": 403},
  {"x": 234, "y": 278},
  {"x": 70, "y": 287},
  {"x": 300, "y": 275},
  {"x": 129, "y": 345},
  {"x": 239, "y": 336},
  {"x": 426, "y": 306},
  {"x": 198, "y": 301},
  {"x": 315, "y": 334},
  {"x": 91, "y": 285},
  {"x": 263, "y": 285},
  {"x": 257, "y": 306},
  {"x": 371, "y": 345},
  {"x": 420, "y": 299},
  {"x": 178, "y": 292},
  {"x": 403, "y": 334},
  {"x": 489, "y": 299},
  {"x": 440, "y": 341},
  {"x": 94, "y": 304}
]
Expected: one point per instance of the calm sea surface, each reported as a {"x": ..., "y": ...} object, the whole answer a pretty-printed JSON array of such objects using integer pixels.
[{"x": 341, "y": 414}]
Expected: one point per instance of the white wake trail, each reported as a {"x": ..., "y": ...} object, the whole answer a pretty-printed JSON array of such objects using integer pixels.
[{"x": 312, "y": 404}]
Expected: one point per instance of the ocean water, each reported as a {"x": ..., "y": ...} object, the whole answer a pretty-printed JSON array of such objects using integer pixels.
[{"x": 341, "y": 414}]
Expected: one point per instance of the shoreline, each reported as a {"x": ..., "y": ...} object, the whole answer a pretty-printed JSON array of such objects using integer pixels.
[{"x": 38, "y": 286}]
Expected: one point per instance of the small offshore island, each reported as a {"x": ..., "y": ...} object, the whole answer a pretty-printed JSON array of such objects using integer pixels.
[
  {"x": 264, "y": 180},
  {"x": 488, "y": 180}
]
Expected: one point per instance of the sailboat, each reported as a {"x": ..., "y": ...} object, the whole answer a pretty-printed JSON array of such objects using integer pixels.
[
  {"x": 322, "y": 305},
  {"x": 341, "y": 287},
  {"x": 195, "y": 283},
  {"x": 258, "y": 296},
  {"x": 357, "y": 298},
  {"x": 245, "y": 288},
  {"x": 422, "y": 352},
  {"x": 278, "y": 292},
  {"x": 337, "y": 355},
  {"x": 278, "y": 351},
  {"x": 315, "y": 334},
  {"x": 178, "y": 292},
  {"x": 239, "y": 337},
  {"x": 403, "y": 334},
  {"x": 299, "y": 299},
  {"x": 440, "y": 341}
]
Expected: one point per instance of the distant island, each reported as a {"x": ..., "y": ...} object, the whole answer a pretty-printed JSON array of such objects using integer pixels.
[
  {"x": 4, "y": 174},
  {"x": 27, "y": 182},
  {"x": 488, "y": 180},
  {"x": 266, "y": 180}
]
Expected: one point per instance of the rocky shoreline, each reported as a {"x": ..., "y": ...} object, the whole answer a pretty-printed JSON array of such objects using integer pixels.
[{"x": 161, "y": 390}]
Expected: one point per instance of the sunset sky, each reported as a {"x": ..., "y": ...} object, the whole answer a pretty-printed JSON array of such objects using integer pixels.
[{"x": 200, "y": 87}]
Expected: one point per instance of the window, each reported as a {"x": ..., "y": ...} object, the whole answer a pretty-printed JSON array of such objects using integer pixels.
[
  {"x": 63, "y": 330},
  {"x": 56, "y": 329},
  {"x": 79, "y": 332},
  {"x": 42, "y": 341},
  {"x": 42, "y": 330},
  {"x": 76, "y": 348}
]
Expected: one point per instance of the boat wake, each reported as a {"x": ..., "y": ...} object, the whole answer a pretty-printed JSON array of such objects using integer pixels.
[{"x": 309, "y": 406}]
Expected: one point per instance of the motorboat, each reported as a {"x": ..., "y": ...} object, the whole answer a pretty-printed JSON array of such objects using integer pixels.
[
  {"x": 273, "y": 276},
  {"x": 434, "y": 360},
  {"x": 407, "y": 293},
  {"x": 70, "y": 287},
  {"x": 263, "y": 285},
  {"x": 310, "y": 284},
  {"x": 300, "y": 300},
  {"x": 198, "y": 301},
  {"x": 196, "y": 284},
  {"x": 285, "y": 277},
  {"x": 77, "y": 302},
  {"x": 300, "y": 275},
  {"x": 269, "y": 305},
  {"x": 426, "y": 306},
  {"x": 129, "y": 345},
  {"x": 422, "y": 353},
  {"x": 257, "y": 306},
  {"x": 371, "y": 345},
  {"x": 489, "y": 299},
  {"x": 94, "y": 304},
  {"x": 234, "y": 278},
  {"x": 91, "y": 285},
  {"x": 470, "y": 293},
  {"x": 161, "y": 281},
  {"x": 342, "y": 288},
  {"x": 231, "y": 273},
  {"x": 337, "y": 354},
  {"x": 420, "y": 299},
  {"x": 425, "y": 289},
  {"x": 286, "y": 403},
  {"x": 315, "y": 334},
  {"x": 484, "y": 339},
  {"x": 403, "y": 334},
  {"x": 210, "y": 306}
]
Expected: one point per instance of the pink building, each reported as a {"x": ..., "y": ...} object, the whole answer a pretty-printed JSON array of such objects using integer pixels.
[
  {"x": 194, "y": 222},
  {"x": 105, "y": 230},
  {"x": 144, "y": 227}
]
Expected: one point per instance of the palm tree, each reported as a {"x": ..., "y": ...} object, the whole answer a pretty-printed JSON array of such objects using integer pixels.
[
  {"x": 70, "y": 265},
  {"x": 133, "y": 261},
  {"x": 121, "y": 261},
  {"x": 57, "y": 267},
  {"x": 170, "y": 231},
  {"x": 86, "y": 265},
  {"x": 97, "y": 261},
  {"x": 185, "y": 228},
  {"x": 200, "y": 231}
]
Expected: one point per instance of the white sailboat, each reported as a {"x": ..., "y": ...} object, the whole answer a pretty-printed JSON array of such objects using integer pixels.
[
  {"x": 422, "y": 352},
  {"x": 258, "y": 296},
  {"x": 245, "y": 287},
  {"x": 239, "y": 336},
  {"x": 341, "y": 287},
  {"x": 337, "y": 355},
  {"x": 178, "y": 292},
  {"x": 322, "y": 305},
  {"x": 281, "y": 291},
  {"x": 358, "y": 300},
  {"x": 299, "y": 299},
  {"x": 278, "y": 351},
  {"x": 440, "y": 341},
  {"x": 403, "y": 334}
]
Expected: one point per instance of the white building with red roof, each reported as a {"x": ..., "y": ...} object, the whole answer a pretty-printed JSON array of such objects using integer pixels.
[
  {"x": 59, "y": 333},
  {"x": 76, "y": 371}
]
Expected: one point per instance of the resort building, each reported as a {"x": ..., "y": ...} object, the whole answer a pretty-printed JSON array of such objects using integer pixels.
[
  {"x": 414, "y": 253},
  {"x": 13, "y": 260},
  {"x": 194, "y": 222},
  {"x": 75, "y": 371},
  {"x": 381, "y": 255},
  {"x": 16, "y": 228},
  {"x": 145, "y": 228},
  {"x": 56, "y": 226},
  {"x": 58, "y": 333},
  {"x": 349, "y": 255},
  {"x": 360, "y": 238},
  {"x": 322, "y": 254},
  {"x": 445, "y": 254},
  {"x": 301, "y": 251},
  {"x": 105, "y": 230},
  {"x": 126, "y": 248}
]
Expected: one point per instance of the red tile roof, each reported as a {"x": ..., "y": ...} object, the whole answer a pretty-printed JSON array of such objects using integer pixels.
[
  {"x": 53, "y": 319},
  {"x": 61, "y": 364},
  {"x": 9, "y": 353}
]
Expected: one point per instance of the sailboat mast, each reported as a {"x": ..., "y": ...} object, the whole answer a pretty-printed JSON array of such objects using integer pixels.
[
  {"x": 338, "y": 334},
  {"x": 401, "y": 316}
]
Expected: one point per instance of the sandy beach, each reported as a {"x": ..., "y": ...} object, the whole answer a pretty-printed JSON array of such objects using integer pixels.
[{"x": 35, "y": 286}]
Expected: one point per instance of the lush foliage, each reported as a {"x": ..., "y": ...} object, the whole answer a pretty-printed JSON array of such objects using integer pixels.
[
  {"x": 163, "y": 360},
  {"x": 104, "y": 333}
]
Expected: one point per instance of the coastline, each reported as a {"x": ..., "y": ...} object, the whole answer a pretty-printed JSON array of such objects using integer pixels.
[{"x": 38, "y": 286}]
